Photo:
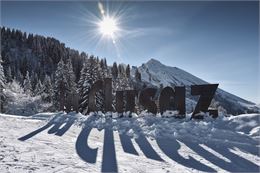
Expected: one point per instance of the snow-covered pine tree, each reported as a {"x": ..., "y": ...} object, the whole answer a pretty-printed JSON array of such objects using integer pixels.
[
  {"x": 47, "y": 89},
  {"x": 122, "y": 83},
  {"x": 19, "y": 77},
  {"x": 2, "y": 77},
  {"x": 61, "y": 86},
  {"x": 9, "y": 75},
  {"x": 89, "y": 74},
  {"x": 127, "y": 71},
  {"x": 137, "y": 76},
  {"x": 128, "y": 76},
  {"x": 2, "y": 85},
  {"x": 64, "y": 83},
  {"x": 34, "y": 81},
  {"x": 27, "y": 84},
  {"x": 70, "y": 76},
  {"x": 115, "y": 82},
  {"x": 114, "y": 71},
  {"x": 104, "y": 69},
  {"x": 101, "y": 75},
  {"x": 38, "y": 88},
  {"x": 121, "y": 70}
]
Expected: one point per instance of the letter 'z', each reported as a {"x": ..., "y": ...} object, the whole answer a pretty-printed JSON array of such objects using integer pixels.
[{"x": 206, "y": 93}]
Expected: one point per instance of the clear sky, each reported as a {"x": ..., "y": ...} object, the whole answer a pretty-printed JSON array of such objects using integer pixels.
[{"x": 216, "y": 41}]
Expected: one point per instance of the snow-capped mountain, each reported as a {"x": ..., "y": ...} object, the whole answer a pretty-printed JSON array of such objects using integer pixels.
[{"x": 155, "y": 73}]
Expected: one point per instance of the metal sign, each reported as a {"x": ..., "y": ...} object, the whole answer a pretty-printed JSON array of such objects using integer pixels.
[{"x": 169, "y": 99}]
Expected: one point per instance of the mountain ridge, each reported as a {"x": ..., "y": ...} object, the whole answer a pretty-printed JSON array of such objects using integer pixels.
[{"x": 156, "y": 73}]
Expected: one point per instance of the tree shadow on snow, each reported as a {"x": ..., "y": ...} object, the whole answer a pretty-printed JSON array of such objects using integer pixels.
[{"x": 60, "y": 125}]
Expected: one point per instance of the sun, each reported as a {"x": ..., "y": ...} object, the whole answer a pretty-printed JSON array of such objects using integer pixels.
[{"x": 108, "y": 26}]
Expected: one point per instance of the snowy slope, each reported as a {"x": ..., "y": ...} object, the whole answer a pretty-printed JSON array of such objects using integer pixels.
[
  {"x": 156, "y": 73},
  {"x": 50, "y": 142}
]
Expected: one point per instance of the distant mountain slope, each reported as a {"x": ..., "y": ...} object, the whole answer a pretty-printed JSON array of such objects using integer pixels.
[{"x": 156, "y": 73}]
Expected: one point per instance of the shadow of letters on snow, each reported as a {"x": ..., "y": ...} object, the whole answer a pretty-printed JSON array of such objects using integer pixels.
[{"x": 61, "y": 123}]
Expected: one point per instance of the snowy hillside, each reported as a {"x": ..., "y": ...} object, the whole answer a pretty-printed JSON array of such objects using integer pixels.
[
  {"x": 58, "y": 142},
  {"x": 156, "y": 73}
]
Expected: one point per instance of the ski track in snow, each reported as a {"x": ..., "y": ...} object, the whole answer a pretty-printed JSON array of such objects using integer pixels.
[{"x": 50, "y": 142}]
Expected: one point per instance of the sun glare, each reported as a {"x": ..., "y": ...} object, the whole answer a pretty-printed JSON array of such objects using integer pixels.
[{"x": 108, "y": 26}]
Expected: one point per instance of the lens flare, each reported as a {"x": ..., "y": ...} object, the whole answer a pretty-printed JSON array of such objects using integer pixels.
[{"x": 108, "y": 26}]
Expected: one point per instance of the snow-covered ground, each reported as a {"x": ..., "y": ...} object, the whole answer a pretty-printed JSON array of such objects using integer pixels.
[{"x": 59, "y": 142}]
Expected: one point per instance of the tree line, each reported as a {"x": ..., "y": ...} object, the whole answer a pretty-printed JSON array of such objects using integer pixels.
[{"x": 45, "y": 67}]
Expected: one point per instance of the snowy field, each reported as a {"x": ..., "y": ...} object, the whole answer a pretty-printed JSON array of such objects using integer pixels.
[{"x": 58, "y": 142}]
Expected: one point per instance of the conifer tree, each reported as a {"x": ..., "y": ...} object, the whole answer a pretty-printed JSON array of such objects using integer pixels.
[
  {"x": 27, "y": 84},
  {"x": 137, "y": 76},
  {"x": 114, "y": 71},
  {"x": 38, "y": 88},
  {"x": 70, "y": 76},
  {"x": 61, "y": 86},
  {"x": 47, "y": 89},
  {"x": 127, "y": 71},
  {"x": 89, "y": 74},
  {"x": 9, "y": 75},
  {"x": 2, "y": 77},
  {"x": 2, "y": 85}
]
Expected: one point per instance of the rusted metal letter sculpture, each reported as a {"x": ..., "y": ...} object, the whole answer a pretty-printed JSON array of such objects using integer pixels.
[
  {"x": 171, "y": 99},
  {"x": 108, "y": 94},
  {"x": 146, "y": 97},
  {"x": 130, "y": 100},
  {"x": 206, "y": 93},
  {"x": 120, "y": 101},
  {"x": 97, "y": 86}
]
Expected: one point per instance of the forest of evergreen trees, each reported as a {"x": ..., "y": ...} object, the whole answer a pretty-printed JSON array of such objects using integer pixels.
[{"x": 45, "y": 67}]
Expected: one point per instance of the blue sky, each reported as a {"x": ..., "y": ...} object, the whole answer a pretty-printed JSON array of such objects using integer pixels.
[{"x": 216, "y": 41}]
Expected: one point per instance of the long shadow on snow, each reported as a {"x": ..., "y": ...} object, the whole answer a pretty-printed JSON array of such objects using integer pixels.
[
  {"x": 147, "y": 149},
  {"x": 109, "y": 162},
  {"x": 127, "y": 144},
  {"x": 83, "y": 150},
  {"x": 237, "y": 164},
  {"x": 142, "y": 142},
  {"x": 171, "y": 146},
  {"x": 219, "y": 145},
  {"x": 57, "y": 121}
]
